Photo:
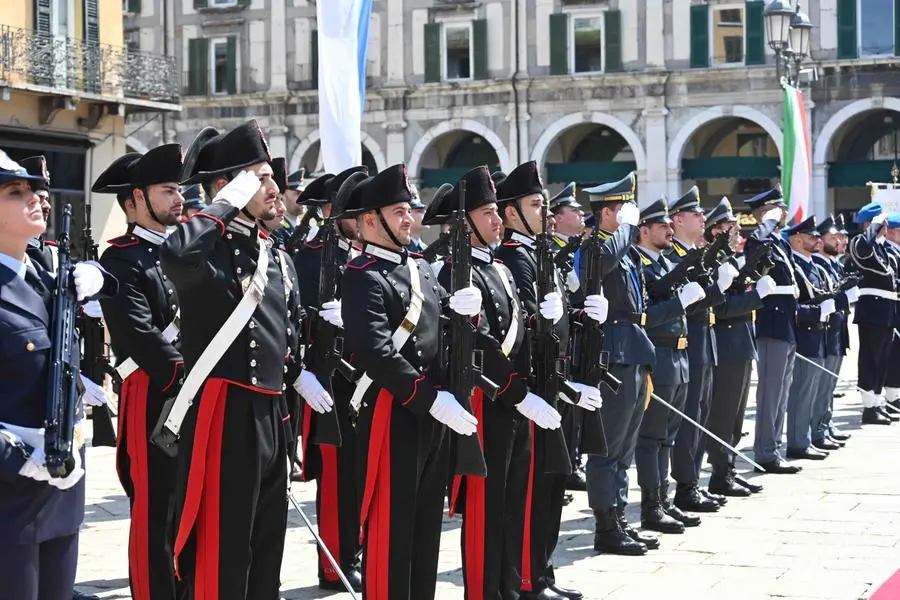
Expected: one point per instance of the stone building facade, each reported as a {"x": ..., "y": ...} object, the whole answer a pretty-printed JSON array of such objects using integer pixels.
[{"x": 683, "y": 91}]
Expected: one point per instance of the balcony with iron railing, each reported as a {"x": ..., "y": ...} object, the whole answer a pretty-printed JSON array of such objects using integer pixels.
[{"x": 56, "y": 65}]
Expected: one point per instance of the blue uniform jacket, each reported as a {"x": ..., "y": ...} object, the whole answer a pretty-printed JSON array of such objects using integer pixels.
[
  {"x": 836, "y": 334},
  {"x": 810, "y": 328},
  {"x": 735, "y": 326},
  {"x": 30, "y": 511},
  {"x": 700, "y": 318},
  {"x": 666, "y": 324}
]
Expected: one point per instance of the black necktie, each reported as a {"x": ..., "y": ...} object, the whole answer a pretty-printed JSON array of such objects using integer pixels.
[{"x": 34, "y": 280}]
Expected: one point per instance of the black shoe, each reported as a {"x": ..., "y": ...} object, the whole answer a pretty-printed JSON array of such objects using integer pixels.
[
  {"x": 826, "y": 444},
  {"x": 895, "y": 404},
  {"x": 673, "y": 511},
  {"x": 839, "y": 443},
  {"x": 839, "y": 394},
  {"x": 655, "y": 519},
  {"x": 545, "y": 594},
  {"x": 76, "y": 595},
  {"x": 692, "y": 500},
  {"x": 719, "y": 499},
  {"x": 567, "y": 499},
  {"x": 871, "y": 416},
  {"x": 839, "y": 436},
  {"x": 806, "y": 454},
  {"x": 779, "y": 467},
  {"x": 610, "y": 538},
  {"x": 888, "y": 413},
  {"x": 565, "y": 592},
  {"x": 354, "y": 576},
  {"x": 725, "y": 485},
  {"x": 650, "y": 541},
  {"x": 577, "y": 481},
  {"x": 754, "y": 488}
]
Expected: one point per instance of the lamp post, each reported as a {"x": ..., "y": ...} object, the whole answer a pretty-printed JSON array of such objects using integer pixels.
[{"x": 788, "y": 30}]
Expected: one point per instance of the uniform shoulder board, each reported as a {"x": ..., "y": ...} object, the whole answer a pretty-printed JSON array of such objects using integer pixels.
[
  {"x": 361, "y": 262},
  {"x": 124, "y": 241},
  {"x": 50, "y": 243},
  {"x": 416, "y": 254},
  {"x": 679, "y": 250},
  {"x": 512, "y": 243},
  {"x": 498, "y": 261},
  {"x": 645, "y": 260},
  {"x": 312, "y": 244}
]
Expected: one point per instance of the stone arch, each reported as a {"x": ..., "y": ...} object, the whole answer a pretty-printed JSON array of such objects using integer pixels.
[
  {"x": 367, "y": 140},
  {"x": 841, "y": 117},
  {"x": 599, "y": 118},
  {"x": 681, "y": 139},
  {"x": 443, "y": 127},
  {"x": 136, "y": 145}
]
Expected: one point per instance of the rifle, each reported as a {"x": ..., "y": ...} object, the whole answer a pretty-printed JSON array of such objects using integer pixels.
[
  {"x": 593, "y": 361},
  {"x": 329, "y": 343},
  {"x": 462, "y": 362},
  {"x": 756, "y": 264},
  {"x": 721, "y": 243},
  {"x": 298, "y": 238},
  {"x": 437, "y": 248},
  {"x": 96, "y": 365},
  {"x": 64, "y": 359},
  {"x": 845, "y": 284},
  {"x": 561, "y": 260},
  {"x": 681, "y": 274},
  {"x": 549, "y": 369}
]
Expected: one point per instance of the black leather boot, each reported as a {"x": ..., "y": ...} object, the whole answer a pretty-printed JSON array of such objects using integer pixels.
[
  {"x": 650, "y": 541},
  {"x": 653, "y": 517},
  {"x": 872, "y": 416},
  {"x": 673, "y": 511},
  {"x": 723, "y": 483},
  {"x": 610, "y": 538}
]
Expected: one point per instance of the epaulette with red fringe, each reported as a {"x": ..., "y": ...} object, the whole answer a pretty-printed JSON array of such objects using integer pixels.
[{"x": 124, "y": 241}]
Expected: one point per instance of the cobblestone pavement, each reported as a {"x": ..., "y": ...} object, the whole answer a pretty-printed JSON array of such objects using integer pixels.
[{"x": 832, "y": 531}]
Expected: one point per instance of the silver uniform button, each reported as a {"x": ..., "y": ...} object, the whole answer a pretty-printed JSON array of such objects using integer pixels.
[
  {"x": 238, "y": 270},
  {"x": 157, "y": 264},
  {"x": 253, "y": 343},
  {"x": 174, "y": 307},
  {"x": 236, "y": 252},
  {"x": 252, "y": 325},
  {"x": 252, "y": 362},
  {"x": 228, "y": 235},
  {"x": 283, "y": 387},
  {"x": 253, "y": 380}
]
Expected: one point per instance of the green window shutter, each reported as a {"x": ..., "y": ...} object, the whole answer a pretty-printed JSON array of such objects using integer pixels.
[
  {"x": 135, "y": 6},
  {"x": 480, "y": 49},
  {"x": 432, "y": 52},
  {"x": 755, "y": 51},
  {"x": 231, "y": 75},
  {"x": 848, "y": 46},
  {"x": 613, "y": 38},
  {"x": 699, "y": 36},
  {"x": 201, "y": 3},
  {"x": 198, "y": 67},
  {"x": 43, "y": 13},
  {"x": 314, "y": 58},
  {"x": 91, "y": 59},
  {"x": 559, "y": 44}
]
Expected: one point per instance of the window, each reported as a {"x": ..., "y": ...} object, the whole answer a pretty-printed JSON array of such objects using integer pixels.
[
  {"x": 131, "y": 6},
  {"x": 586, "y": 44},
  {"x": 133, "y": 40},
  {"x": 876, "y": 27},
  {"x": 457, "y": 51},
  {"x": 727, "y": 35},
  {"x": 222, "y": 3},
  {"x": 219, "y": 70}
]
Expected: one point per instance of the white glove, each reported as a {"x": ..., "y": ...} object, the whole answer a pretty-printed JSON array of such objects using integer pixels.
[
  {"x": 93, "y": 310},
  {"x": 69, "y": 481},
  {"x": 552, "y": 307},
  {"x": 572, "y": 281},
  {"x": 629, "y": 214},
  {"x": 692, "y": 292},
  {"x": 879, "y": 218},
  {"x": 726, "y": 275},
  {"x": 308, "y": 386},
  {"x": 451, "y": 413},
  {"x": 94, "y": 395},
  {"x": 596, "y": 306},
  {"x": 240, "y": 190},
  {"x": 852, "y": 294},
  {"x": 765, "y": 286},
  {"x": 536, "y": 409},
  {"x": 331, "y": 312},
  {"x": 88, "y": 279},
  {"x": 466, "y": 301},
  {"x": 826, "y": 308},
  {"x": 34, "y": 467},
  {"x": 773, "y": 214},
  {"x": 590, "y": 400}
]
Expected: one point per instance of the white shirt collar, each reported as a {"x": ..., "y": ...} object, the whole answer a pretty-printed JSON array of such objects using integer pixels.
[
  {"x": 806, "y": 259},
  {"x": 394, "y": 256},
  {"x": 562, "y": 236},
  {"x": 13, "y": 264},
  {"x": 523, "y": 239},
  {"x": 683, "y": 243},
  {"x": 148, "y": 235},
  {"x": 292, "y": 220},
  {"x": 654, "y": 256},
  {"x": 482, "y": 254}
]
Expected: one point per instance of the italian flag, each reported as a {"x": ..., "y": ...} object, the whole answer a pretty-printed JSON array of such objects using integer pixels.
[{"x": 796, "y": 170}]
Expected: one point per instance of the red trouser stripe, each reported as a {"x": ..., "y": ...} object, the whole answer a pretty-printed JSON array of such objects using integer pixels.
[
  {"x": 473, "y": 516},
  {"x": 133, "y": 411},
  {"x": 375, "y": 517},
  {"x": 527, "y": 585},
  {"x": 304, "y": 441},
  {"x": 329, "y": 500}
]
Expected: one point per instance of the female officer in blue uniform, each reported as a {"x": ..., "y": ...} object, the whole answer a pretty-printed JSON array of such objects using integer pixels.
[{"x": 39, "y": 515}]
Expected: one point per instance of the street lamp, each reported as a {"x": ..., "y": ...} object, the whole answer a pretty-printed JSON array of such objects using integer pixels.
[{"x": 788, "y": 30}]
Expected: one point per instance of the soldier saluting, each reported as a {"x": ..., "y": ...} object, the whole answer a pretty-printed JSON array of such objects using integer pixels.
[
  {"x": 233, "y": 450},
  {"x": 391, "y": 309},
  {"x": 142, "y": 323}
]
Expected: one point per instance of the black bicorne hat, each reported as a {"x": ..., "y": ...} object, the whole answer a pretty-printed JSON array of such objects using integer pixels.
[
  {"x": 316, "y": 193},
  {"x": 37, "y": 166},
  {"x": 161, "y": 165},
  {"x": 389, "y": 186},
  {"x": 241, "y": 147},
  {"x": 198, "y": 155},
  {"x": 279, "y": 173},
  {"x": 343, "y": 199},
  {"x": 437, "y": 211},
  {"x": 334, "y": 183},
  {"x": 522, "y": 181},
  {"x": 115, "y": 178},
  {"x": 689, "y": 202},
  {"x": 480, "y": 191},
  {"x": 657, "y": 212},
  {"x": 194, "y": 197}
]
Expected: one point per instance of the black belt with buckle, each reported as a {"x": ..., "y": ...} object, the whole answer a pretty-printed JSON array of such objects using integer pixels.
[
  {"x": 634, "y": 318},
  {"x": 676, "y": 343}
]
